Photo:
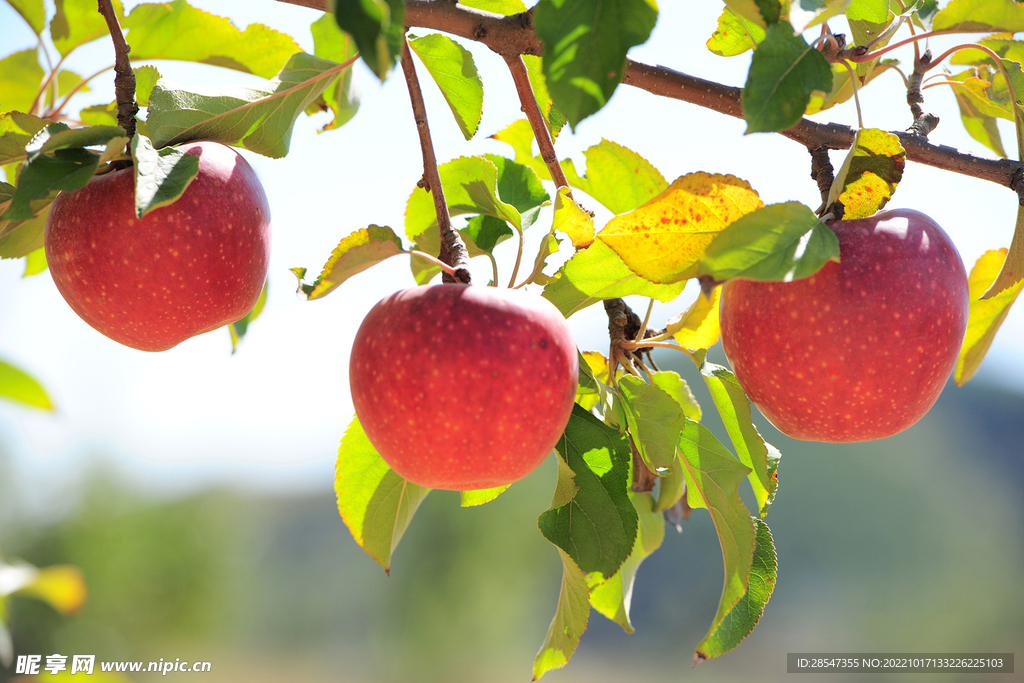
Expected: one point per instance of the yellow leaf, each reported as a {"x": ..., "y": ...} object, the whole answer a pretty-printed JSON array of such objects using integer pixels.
[
  {"x": 698, "y": 328},
  {"x": 598, "y": 365},
  {"x": 663, "y": 240},
  {"x": 62, "y": 585},
  {"x": 986, "y": 315},
  {"x": 573, "y": 220}
]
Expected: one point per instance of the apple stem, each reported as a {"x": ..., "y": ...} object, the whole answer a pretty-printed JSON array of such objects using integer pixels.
[
  {"x": 450, "y": 270},
  {"x": 453, "y": 249},
  {"x": 124, "y": 80}
]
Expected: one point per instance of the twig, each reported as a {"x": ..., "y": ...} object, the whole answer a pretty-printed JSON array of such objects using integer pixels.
[
  {"x": 822, "y": 173},
  {"x": 521, "y": 77},
  {"x": 124, "y": 80},
  {"x": 924, "y": 123},
  {"x": 453, "y": 249}
]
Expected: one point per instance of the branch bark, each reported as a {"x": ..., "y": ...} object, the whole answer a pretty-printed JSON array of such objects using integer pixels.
[
  {"x": 514, "y": 35},
  {"x": 124, "y": 79}
]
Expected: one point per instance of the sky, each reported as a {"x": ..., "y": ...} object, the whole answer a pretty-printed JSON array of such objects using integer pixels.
[{"x": 271, "y": 416}]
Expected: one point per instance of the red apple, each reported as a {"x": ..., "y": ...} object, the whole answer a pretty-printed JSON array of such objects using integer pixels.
[
  {"x": 862, "y": 349},
  {"x": 462, "y": 387},
  {"x": 183, "y": 269}
]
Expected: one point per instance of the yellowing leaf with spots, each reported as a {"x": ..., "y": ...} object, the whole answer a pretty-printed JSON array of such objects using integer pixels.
[
  {"x": 698, "y": 327},
  {"x": 986, "y": 315},
  {"x": 870, "y": 173},
  {"x": 663, "y": 240}
]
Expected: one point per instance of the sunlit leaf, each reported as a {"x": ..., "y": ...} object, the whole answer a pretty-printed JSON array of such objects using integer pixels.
[
  {"x": 749, "y": 10},
  {"x": 842, "y": 84},
  {"x": 1012, "y": 271},
  {"x": 781, "y": 242},
  {"x": 698, "y": 327},
  {"x": 1002, "y": 16},
  {"x": 875, "y": 11},
  {"x": 16, "y": 130},
  {"x": 176, "y": 30},
  {"x": 978, "y": 125},
  {"x": 505, "y": 7},
  {"x": 32, "y": 11},
  {"x": 869, "y": 176},
  {"x": 743, "y": 617},
  {"x": 553, "y": 117},
  {"x": 35, "y": 263},
  {"x": 570, "y": 620},
  {"x": 597, "y": 273},
  {"x": 784, "y": 72},
  {"x": 571, "y": 219},
  {"x": 754, "y": 452},
  {"x": 676, "y": 387},
  {"x": 481, "y": 496},
  {"x": 76, "y": 23},
  {"x": 986, "y": 315},
  {"x": 597, "y": 526},
  {"x": 454, "y": 70},
  {"x": 375, "y": 502},
  {"x": 18, "y": 386},
  {"x": 22, "y": 237},
  {"x": 259, "y": 118},
  {"x": 712, "y": 475},
  {"x": 664, "y": 240},
  {"x": 341, "y": 98},
  {"x": 377, "y": 26},
  {"x": 585, "y": 48},
  {"x": 618, "y": 177},
  {"x": 20, "y": 79},
  {"x": 735, "y": 35},
  {"x": 354, "y": 254},
  {"x": 655, "y": 422},
  {"x": 805, "y": 13},
  {"x": 46, "y": 175},
  {"x": 613, "y": 597},
  {"x": 519, "y": 135}
]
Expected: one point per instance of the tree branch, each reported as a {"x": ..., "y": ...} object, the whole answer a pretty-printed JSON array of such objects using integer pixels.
[
  {"x": 514, "y": 35},
  {"x": 453, "y": 249},
  {"x": 124, "y": 80},
  {"x": 521, "y": 78}
]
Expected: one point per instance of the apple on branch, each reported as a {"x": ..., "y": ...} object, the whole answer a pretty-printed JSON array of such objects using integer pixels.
[
  {"x": 183, "y": 269},
  {"x": 862, "y": 349},
  {"x": 462, "y": 387}
]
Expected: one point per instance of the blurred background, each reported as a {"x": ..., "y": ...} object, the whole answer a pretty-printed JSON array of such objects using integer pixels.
[{"x": 195, "y": 488}]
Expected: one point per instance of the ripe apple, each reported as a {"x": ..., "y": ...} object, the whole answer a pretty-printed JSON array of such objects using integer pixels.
[
  {"x": 183, "y": 269},
  {"x": 461, "y": 387},
  {"x": 862, "y": 349}
]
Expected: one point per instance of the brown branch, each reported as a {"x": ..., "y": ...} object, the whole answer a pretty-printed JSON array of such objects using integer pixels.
[
  {"x": 521, "y": 77},
  {"x": 823, "y": 174},
  {"x": 514, "y": 35},
  {"x": 924, "y": 123},
  {"x": 453, "y": 249},
  {"x": 124, "y": 80}
]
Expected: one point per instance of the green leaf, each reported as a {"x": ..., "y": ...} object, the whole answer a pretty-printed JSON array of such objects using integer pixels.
[
  {"x": 377, "y": 26},
  {"x": 22, "y": 237},
  {"x": 354, "y": 254},
  {"x": 598, "y": 525},
  {"x": 754, "y": 452},
  {"x": 482, "y": 234},
  {"x": 842, "y": 84},
  {"x": 554, "y": 118},
  {"x": 742, "y": 618},
  {"x": 805, "y": 13},
  {"x": 1012, "y": 270},
  {"x": 160, "y": 176},
  {"x": 519, "y": 135},
  {"x": 585, "y": 48},
  {"x": 784, "y": 72},
  {"x": 481, "y": 496},
  {"x": 342, "y": 98},
  {"x": 145, "y": 78},
  {"x": 735, "y": 35},
  {"x": 453, "y": 69},
  {"x": 570, "y": 620},
  {"x": 868, "y": 177},
  {"x": 655, "y": 422},
  {"x": 505, "y": 7},
  {"x": 749, "y": 10},
  {"x": 20, "y": 80},
  {"x": 779, "y": 242},
  {"x": 613, "y": 597},
  {"x": 676, "y": 387},
  {"x": 18, "y": 386},
  {"x": 986, "y": 315},
  {"x": 32, "y": 11},
  {"x": 490, "y": 186},
  {"x": 76, "y": 23},
  {"x": 874, "y": 11},
  {"x": 239, "y": 328},
  {"x": 16, "y": 131},
  {"x": 1002, "y": 16},
  {"x": 99, "y": 115},
  {"x": 712, "y": 475},
  {"x": 44, "y": 175},
  {"x": 35, "y": 263},
  {"x": 257, "y": 118},
  {"x": 619, "y": 178},
  {"x": 597, "y": 273},
  {"x": 375, "y": 502},
  {"x": 176, "y": 30}
]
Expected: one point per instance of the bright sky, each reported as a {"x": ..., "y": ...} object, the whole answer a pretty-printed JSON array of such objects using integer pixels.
[{"x": 272, "y": 415}]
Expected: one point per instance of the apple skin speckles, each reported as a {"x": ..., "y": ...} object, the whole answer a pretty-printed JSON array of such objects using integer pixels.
[
  {"x": 461, "y": 387},
  {"x": 871, "y": 362},
  {"x": 184, "y": 269}
]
